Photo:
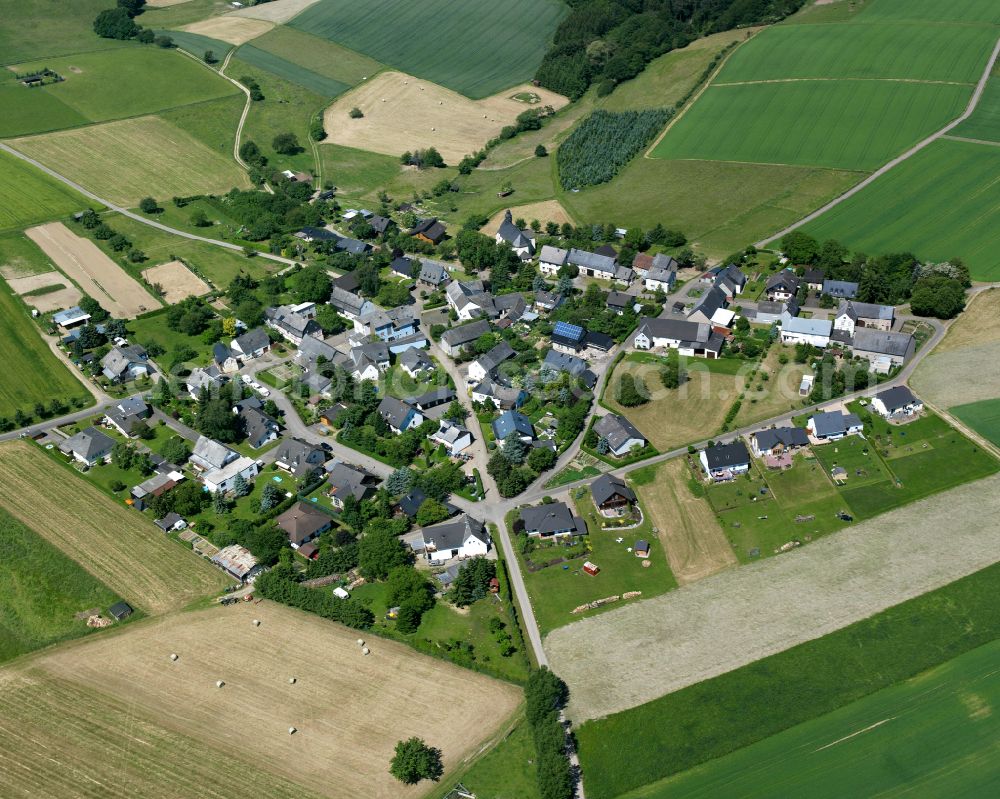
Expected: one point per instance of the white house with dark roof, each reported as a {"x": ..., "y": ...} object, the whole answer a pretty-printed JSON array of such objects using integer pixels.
[
  {"x": 725, "y": 461},
  {"x": 590, "y": 264},
  {"x": 782, "y": 286},
  {"x": 552, "y": 259},
  {"x": 294, "y": 322},
  {"x": 90, "y": 446},
  {"x": 202, "y": 377},
  {"x": 399, "y": 415},
  {"x": 685, "y": 336},
  {"x": 122, "y": 364},
  {"x": 224, "y": 479},
  {"x": 486, "y": 365},
  {"x": 251, "y": 344},
  {"x": 348, "y": 304},
  {"x": 896, "y": 402},
  {"x": 299, "y": 458},
  {"x": 127, "y": 414},
  {"x": 834, "y": 425},
  {"x": 840, "y": 289},
  {"x": 415, "y": 362},
  {"x": 620, "y": 433},
  {"x": 499, "y": 395},
  {"x": 209, "y": 454},
  {"x": 882, "y": 349},
  {"x": 552, "y": 520},
  {"x": 661, "y": 276},
  {"x": 776, "y": 440},
  {"x": 455, "y": 338},
  {"x": 852, "y": 315},
  {"x": 463, "y": 537},
  {"x": 522, "y": 242},
  {"x": 455, "y": 437}
]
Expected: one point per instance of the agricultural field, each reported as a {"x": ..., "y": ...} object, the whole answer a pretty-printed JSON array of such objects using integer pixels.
[
  {"x": 941, "y": 203},
  {"x": 932, "y": 734},
  {"x": 489, "y": 47},
  {"x": 229, "y": 28},
  {"x": 316, "y": 55},
  {"x": 971, "y": 11},
  {"x": 93, "y": 271},
  {"x": 283, "y": 68},
  {"x": 983, "y": 417},
  {"x": 834, "y": 124},
  {"x": 145, "y": 79},
  {"x": 41, "y": 589},
  {"x": 348, "y": 710},
  {"x": 695, "y": 544},
  {"x": 29, "y": 196},
  {"x": 546, "y": 211},
  {"x": 130, "y": 159},
  {"x": 195, "y": 43},
  {"x": 212, "y": 123},
  {"x": 177, "y": 281},
  {"x": 49, "y": 291},
  {"x": 984, "y": 124},
  {"x": 122, "y": 548},
  {"x": 615, "y": 661},
  {"x": 692, "y": 412},
  {"x": 278, "y": 12},
  {"x": 49, "y": 28}
]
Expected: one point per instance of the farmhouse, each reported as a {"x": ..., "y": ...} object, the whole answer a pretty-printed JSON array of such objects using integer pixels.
[
  {"x": 685, "y": 336},
  {"x": 348, "y": 304},
  {"x": 730, "y": 279},
  {"x": 346, "y": 481},
  {"x": 311, "y": 349},
  {"x": 209, "y": 454},
  {"x": 522, "y": 242},
  {"x": 90, "y": 446},
  {"x": 71, "y": 317},
  {"x": 840, "y": 289},
  {"x": 224, "y": 479},
  {"x": 883, "y": 350},
  {"x": 398, "y": 415},
  {"x": 455, "y": 338},
  {"x": 552, "y": 259},
  {"x": 708, "y": 306},
  {"x": 896, "y": 402},
  {"x": 415, "y": 362},
  {"x": 552, "y": 521},
  {"x": 724, "y": 461},
  {"x": 429, "y": 230},
  {"x": 620, "y": 434},
  {"x": 602, "y": 267},
  {"x": 486, "y": 365},
  {"x": 470, "y": 300},
  {"x": 806, "y": 331},
  {"x": 778, "y": 440},
  {"x": 299, "y": 458},
  {"x": 454, "y": 437},
  {"x": 302, "y": 523},
  {"x": 499, "y": 395},
  {"x": 461, "y": 538},
  {"x": 127, "y": 414},
  {"x": 611, "y": 493},
  {"x": 813, "y": 278},
  {"x": 294, "y": 322},
  {"x": 513, "y": 423},
  {"x": 381, "y": 224},
  {"x": 122, "y": 364},
  {"x": 852, "y": 315},
  {"x": 251, "y": 344},
  {"x": 782, "y": 286},
  {"x": 239, "y": 562},
  {"x": 834, "y": 425}
]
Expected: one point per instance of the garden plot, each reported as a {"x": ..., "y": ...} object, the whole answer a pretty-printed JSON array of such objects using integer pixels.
[
  {"x": 616, "y": 661},
  {"x": 176, "y": 280},
  {"x": 93, "y": 271}
]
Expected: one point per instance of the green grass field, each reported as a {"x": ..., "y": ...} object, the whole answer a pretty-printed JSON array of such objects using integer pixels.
[
  {"x": 40, "y": 590},
  {"x": 968, "y": 11},
  {"x": 213, "y": 123},
  {"x": 983, "y": 417},
  {"x": 283, "y": 68},
  {"x": 719, "y": 716},
  {"x": 48, "y": 28},
  {"x": 196, "y": 44},
  {"x": 856, "y": 50},
  {"x": 933, "y": 735},
  {"x": 477, "y": 48},
  {"x": 837, "y": 124},
  {"x": 113, "y": 85},
  {"x": 943, "y": 202},
  {"x": 984, "y": 123},
  {"x": 318, "y": 55},
  {"x": 29, "y": 196}
]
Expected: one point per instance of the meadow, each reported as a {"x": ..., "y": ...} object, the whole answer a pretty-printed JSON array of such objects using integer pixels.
[
  {"x": 941, "y": 203},
  {"x": 290, "y": 71},
  {"x": 932, "y": 734},
  {"x": 983, "y": 417},
  {"x": 145, "y": 80},
  {"x": 127, "y": 160},
  {"x": 49, "y": 28},
  {"x": 835, "y": 124},
  {"x": 712, "y": 718},
  {"x": 318, "y": 55},
  {"x": 213, "y": 123},
  {"x": 489, "y": 47},
  {"x": 40, "y": 591},
  {"x": 970, "y": 11},
  {"x": 131, "y": 555},
  {"x": 29, "y": 196}
]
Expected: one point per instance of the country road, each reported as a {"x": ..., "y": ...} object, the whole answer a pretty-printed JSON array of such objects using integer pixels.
[{"x": 916, "y": 148}]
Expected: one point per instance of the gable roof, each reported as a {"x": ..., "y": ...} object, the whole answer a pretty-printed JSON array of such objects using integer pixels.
[
  {"x": 554, "y": 517},
  {"x": 866, "y": 310},
  {"x": 723, "y": 456},
  {"x": 347, "y": 300},
  {"x": 617, "y": 430},
  {"x": 896, "y": 397},
  {"x": 808, "y": 327},
  {"x": 211, "y": 454},
  {"x": 563, "y": 362},
  {"x": 787, "y": 436},
  {"x": 429, "y": 228},
  {"x": 785, "y": 280},
  {"x": 831, "y": 423},
  {"x": 299, "y": 455},
  {"x": 436, "y": 396},
  {"x": 453, "y": 534},
  {"x": 592, "y": 261},
  {"x": 512, "y": 422},
  {"x": 882, "y": 342},
  {"x": 840, "y": 288},
  {"x": 402, "y": 266},
  {"x": 395, "y": 412},
  {"x": 463, "y": 334},
  {"x": 710, "y": 302},
  {"x": 415, "y": 358},
  {"x": 553, "y": 255},
  {"x": 606, "y": 486},
  {"x": 496, "y": 356},
  {"x": 433, "y": 272},
  {"x": 675, "y": 329},
  {"x": 347, "y": 481},
  {"x": 252, "y": 340},
  {"x": 256, "y": 424},
  {"x": 619, "y": 299}
]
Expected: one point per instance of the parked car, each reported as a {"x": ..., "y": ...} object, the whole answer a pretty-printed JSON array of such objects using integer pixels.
[
  {"x": 263, "y": 391},
  {"x": 247, "y": 380}
]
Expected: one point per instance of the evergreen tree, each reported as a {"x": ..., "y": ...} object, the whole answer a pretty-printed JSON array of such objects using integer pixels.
[{"x": 241, "y": 487}]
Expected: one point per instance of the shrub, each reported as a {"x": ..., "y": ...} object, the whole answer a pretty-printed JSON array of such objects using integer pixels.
[{"x": 355, "y": 113}]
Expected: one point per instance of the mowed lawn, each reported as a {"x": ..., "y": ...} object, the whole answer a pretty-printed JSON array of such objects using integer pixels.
[
  {"x": 40, "y": 591},
  {"x": 115, "y": 84},
  {"x": 31, "y": 373},
  {"x": 934, "y": 734},
  {"x": 130, "y": 159},
  {"x": 29, "y": 196},
  {"x": 983, "y": 417},
  {"x": 854, "y": 124},
  {"x": 476, "y": 47},
  {"x": 129, "y": 553},
  {"x": 941, "y": 203}
]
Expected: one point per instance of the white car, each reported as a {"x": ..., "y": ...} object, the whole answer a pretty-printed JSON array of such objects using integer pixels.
[
  {"x": 247, "y": 379},
  {"x": 263, "y": 391},
  {"x": 120, "y": 342}
]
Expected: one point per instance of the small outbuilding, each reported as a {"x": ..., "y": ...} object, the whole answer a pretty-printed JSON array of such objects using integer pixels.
[
  {"x": 641, "y": 548},
  {"x": 120, "y": 610}
]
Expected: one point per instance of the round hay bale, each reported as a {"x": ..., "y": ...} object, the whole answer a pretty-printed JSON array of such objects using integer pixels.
[
  {"x": 361, "y": 642},
  {"x": 365, "y": 650},
  {"x": 173, "y": 656},
  {"x": 433, "y": 128},
  {"x": 256, "y": 622},
  {"x": 292, "y": 731},
  {"x": 219, "y": 683},
  {"x": 291, "y": 681}
]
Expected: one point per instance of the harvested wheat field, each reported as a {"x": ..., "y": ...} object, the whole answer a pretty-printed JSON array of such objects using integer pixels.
[
  {"x": 120, "y": 547},
  {"x": 403, "y": 113},
  {"x": 176, "y": 280},
  {"x": 230, "y": 28},
  {"x": 348, "y": 709},
  {"x": 93, "y": 271},
  {"x": 277, "y": 12},
  {"x": 976, "y": 325},
  {"x": 546, "y": 211},
  {"x": 633, "y": 654},
  {"x": 688, "y": 528}
]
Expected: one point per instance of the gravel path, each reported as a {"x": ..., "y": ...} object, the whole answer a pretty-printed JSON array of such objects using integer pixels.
[{"x": 626, "y": 657}]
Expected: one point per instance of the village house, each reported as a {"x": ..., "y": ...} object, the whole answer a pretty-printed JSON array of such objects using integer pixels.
[
  {"x": 552, "y": 259},
  {"x": 620, "y": 434},
  {"x": 127, "y": 414},
  {"x": 461, "y": 538},
  {"x": 661, "y": 274},
  {"x": 294, "y": 322},
  {"x": 389, "y": 325},
  {"x": 725, "y": 461},
  {"x": 302, "y": 523},
  {"x": 348, "y": 304},
  {"x": 90, "y": 446},
  {"x": 311, "y": 350},
  {"x": 202, "y": 378},
  {"x": 611, "y": 494},
  {"x": 556, "y": 362},
  {"x": 455, "y": 437},
  {"x": 513, "y": 423},
  {"x": 840, "y": 289},
  {"x": 155, "y": 486},
  {"x": 807, "y": 331},
  {"x": 410, "y": 504},
  {"x": 618, "y": 302},
  {"x": 455, "y": 338},
  {"x": 552, "y": 520},
  {"x": 602, "y": 267},
  {"x": 547, "y": 301},
  {"x": 251, "y": 344},
  {"x": 398, "y": 415},
  {"x": 687, "y": 337},
  {"x": 429, "y": 230},
  {"x": 896, "y": 402},
  {"x": 433, "y": 398},
  {"x": 710, "y": 308},
  {"x": 522, "y": 242},
  {"x": 311, "y": 234},
  {"x": 122, "y": 364},
  {"x": 470, "y": 300},
  {"x": 883, "y": 350},
  {"x": 778, "y": 440},
  {"x": 486, "y": 365},
  {"x": 238, "y": 562},
  {"x": 782, "y": 286},
  {"x": 433, "y": 273},
  {"x": 299, "y": 458},
  {"x": 498, "y": 395},
  {"x": 568, "y": 338},
  {"x": 778, "y": 311},
  {"x": 171, "y": 522},
  {"x": 833, "y": 425},
  {"x": 381, "y": 224},
  {"x": 258, "y": 428},
  {"x": 852, "y": 315},
  {"x": 415, "y": 362},
  {"x": 209, "y": 455},
  {"x": 403, "y": 266},
  {"x": 346, "y": 481},
  {"x": 224, "y": 479},
  {"x": 224, "y": 359},
  {"x": 730, "y": 279},
  {"x": 369, "y": 360}
]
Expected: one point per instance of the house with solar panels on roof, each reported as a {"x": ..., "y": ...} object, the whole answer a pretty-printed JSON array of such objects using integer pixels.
[{"x": 568, "y": 338}]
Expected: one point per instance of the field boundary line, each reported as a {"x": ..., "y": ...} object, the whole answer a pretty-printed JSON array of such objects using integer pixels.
[
  {"x": 977, "y": 94},
  {"x": 838, "y": 80},
  {"x": 708, "y": 82},
  {"x": 972, "y": 141}
]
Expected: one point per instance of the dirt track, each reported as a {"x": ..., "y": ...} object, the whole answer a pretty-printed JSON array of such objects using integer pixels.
[
  {"x": 92, "y": 270},
  {"x": 631, "y": 655},
  {"x": 176, "y": 280}
]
